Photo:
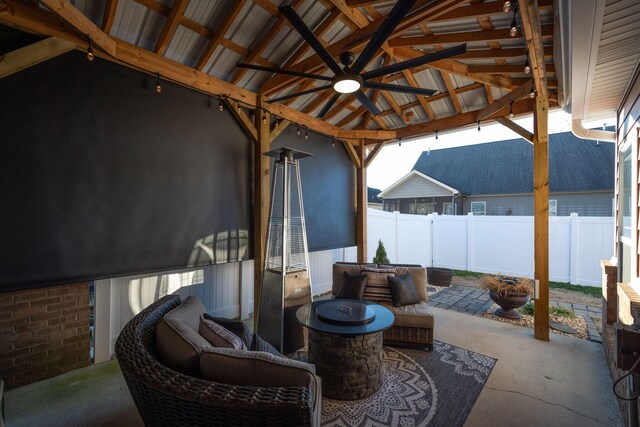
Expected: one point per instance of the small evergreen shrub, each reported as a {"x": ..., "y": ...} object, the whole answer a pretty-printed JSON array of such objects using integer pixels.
[{"x": 381, "y": 255}]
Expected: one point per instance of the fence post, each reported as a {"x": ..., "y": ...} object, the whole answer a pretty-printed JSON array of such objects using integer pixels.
[
  {"x": 434, "y": 219},
  {"x": 397, "y": 246},
  {"x": 470, "y": 226},
  {"x": 574, "y": 241}
]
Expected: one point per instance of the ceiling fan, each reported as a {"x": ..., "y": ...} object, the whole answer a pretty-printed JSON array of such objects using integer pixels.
[{"x": 350, "y": 78}]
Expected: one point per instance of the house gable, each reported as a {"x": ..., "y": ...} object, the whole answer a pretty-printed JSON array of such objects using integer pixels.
[{"x": 416, "y": 184}]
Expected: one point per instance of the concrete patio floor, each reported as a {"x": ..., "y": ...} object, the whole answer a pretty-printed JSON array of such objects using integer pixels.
[{"x": 564, "y": 382}]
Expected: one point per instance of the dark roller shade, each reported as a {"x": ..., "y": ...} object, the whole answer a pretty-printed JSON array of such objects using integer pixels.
[
  {"x": 101, "y": 176},
  {"x": 328, "y": 189}
]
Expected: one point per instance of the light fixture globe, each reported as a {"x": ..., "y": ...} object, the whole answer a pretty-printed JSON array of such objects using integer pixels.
[{"x": 347, "y": 83}]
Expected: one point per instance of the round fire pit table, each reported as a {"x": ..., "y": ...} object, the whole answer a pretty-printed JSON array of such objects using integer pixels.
[{"x": 345, "y": 345}]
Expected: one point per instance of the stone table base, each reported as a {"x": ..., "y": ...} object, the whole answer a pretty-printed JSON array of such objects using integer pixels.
[{"x": 350, "y": 366}]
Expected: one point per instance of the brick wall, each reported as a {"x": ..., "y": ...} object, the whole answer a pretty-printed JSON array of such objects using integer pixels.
[{"x": 43, "y": 332}]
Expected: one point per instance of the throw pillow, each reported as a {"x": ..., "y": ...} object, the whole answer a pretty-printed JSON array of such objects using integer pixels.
[
  {"x": 219, "y": 336},
  {"x": 403, "y": 290},
  {"x": 237, "y": 327},
  {"x": 261, "y": 345},
  {"x": 353, "y": 286},
  {"x": 377, "y": 284}
]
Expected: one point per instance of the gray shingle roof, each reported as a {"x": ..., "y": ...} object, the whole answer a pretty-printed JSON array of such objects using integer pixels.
[
  {"x": 506, "y": 167},
  {"x": 372, "y": 195}
]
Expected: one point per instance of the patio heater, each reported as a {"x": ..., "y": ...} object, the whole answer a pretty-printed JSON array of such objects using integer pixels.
[{"x": 286, "y": 284}]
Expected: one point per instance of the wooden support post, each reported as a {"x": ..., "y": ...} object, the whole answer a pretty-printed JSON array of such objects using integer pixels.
[
  {"x": 261, "y": 202},
  {"x": 361, "y": 203},
  {"x": 541, "y": 217}
]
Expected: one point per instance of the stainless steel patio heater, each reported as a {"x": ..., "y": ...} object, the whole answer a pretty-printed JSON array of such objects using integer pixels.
[{"x": 286, "y": 284}]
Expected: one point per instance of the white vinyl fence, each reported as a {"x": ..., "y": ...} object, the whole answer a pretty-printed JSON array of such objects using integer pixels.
[{"x": 494, "y": 244}]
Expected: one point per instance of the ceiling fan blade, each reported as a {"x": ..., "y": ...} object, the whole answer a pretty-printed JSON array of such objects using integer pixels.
[
  {"x": 400, "y": 88},
  {"x": 389, "y": 24},
  {"x": 329, "y": 104},
  {"x": 282, "y": 71},
  {"x": 364, "y": 100},
  {"x": 416, "y": 62},
  {"x": 304, "y": 92},
  {"x": 309, "y": 37}
]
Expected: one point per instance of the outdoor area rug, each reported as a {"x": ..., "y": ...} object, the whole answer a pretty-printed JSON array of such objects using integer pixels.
[{"x": 419, "y": 388}]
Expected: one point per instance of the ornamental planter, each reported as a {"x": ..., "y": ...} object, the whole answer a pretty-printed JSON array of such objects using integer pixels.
[
  {"x": 508, "y": 304},
  {"x": 439, "y": 276}
]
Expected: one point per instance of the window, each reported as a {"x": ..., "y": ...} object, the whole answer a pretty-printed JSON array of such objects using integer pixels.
[
  {"x": 421, "y": 207},
  {"x": 625, "y": 252},
  {"x": 447, "y": 209},
  {"x": 479, "y": 208},
  {"x": 391, "y": 205},
  {"x": 553, "y": 207}
]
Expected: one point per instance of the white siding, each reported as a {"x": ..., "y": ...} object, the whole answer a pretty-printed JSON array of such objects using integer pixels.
[{"x": 416, "y": 186}]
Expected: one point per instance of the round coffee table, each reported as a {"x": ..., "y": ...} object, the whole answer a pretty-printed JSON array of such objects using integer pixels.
[{"x": 345, "y": 345}]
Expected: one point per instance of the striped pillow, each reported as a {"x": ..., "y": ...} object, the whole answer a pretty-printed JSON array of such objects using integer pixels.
[
  {"x": 378, "y": 284},
  {"x": 218, "y": 336}
]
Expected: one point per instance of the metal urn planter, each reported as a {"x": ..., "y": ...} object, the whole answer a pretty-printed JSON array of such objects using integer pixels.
[
  {"x": 437, "y": 276},
  {"x": 508, "y": 304}
]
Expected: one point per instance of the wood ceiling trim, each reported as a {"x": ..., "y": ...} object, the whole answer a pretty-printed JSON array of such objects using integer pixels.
[
  {"x": 452, "y": 91},
  {"x": 215, "y": 42},
  {"x": 109, "y": 15},
  {"x": 356, "y": 41},
  {"x": 77, "y": 20},
  {"x": 33, "y": 54},
  {"x": 170, "y": 25},
  {"x": 533, "y": 33},
  {"x": 463, "y": 37}
]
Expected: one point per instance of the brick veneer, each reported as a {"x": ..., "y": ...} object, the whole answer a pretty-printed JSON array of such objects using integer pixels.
[
  {"x": 43, "y": 332},
  {"x": 609, "y": 291}
]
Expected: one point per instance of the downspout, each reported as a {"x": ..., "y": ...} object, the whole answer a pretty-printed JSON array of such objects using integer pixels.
[{"x": 578, "y": 25}]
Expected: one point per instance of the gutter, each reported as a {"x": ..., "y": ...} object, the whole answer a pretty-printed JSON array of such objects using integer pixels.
[{"x": 578, "y": 27}]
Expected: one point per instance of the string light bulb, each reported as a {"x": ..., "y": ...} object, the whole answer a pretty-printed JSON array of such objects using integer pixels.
[
  {"x": 298, "y": 131},
  {"x": 527, "y": 67},
  {"x": 514, "y": 27},
  {"x": 158, "y": 87},
  {"x": 399, "y": 142},
  {"x": 506, "y": 7},
  {"x": 264, "y": 119},
  {"x": 333, "y": 143},
  {"x": 90, "y": 55},
  {"x": 478, "y": 125},
  {"x": 239, "y": 109},
  {"x": 306, "y": 135},
  {"x": 532, "y": 94},
  {"x": 436, "y": 134},
  {"x": 276, "y": 123},
  {"x": 220, "y": 106},
  {"x": 511, "y": 110}
]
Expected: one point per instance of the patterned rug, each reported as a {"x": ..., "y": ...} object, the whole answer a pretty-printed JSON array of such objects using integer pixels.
[{"x": 419, "y": 388}]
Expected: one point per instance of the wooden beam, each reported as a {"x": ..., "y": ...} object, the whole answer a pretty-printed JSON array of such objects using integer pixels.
[
  {"x": 170, "y": 25},
  {"x": 80, "y": 22},
  {"x": 373, "y": 153},
  {"x": 516, "y": 128},
  {"x": 109, "y": 15},
  {"x": 358, "y": 3},
  {"x": 35, "y": 53},
  {"x": 261, "y": 202},
  {"x": 462, "y": 37},
  {"x": 351, "y": 117},
  {"x": 533, "y": 33},
  {"x": 504, "y": 68},
  {"x": 353, "y": 155},
  {"x": 513, "y": 96},
  {"x": 277, "y": 129},
  {"x": 361, "y": 204},
  {"x": 243, "y": 120},
  {"x": 221, "y": 31},
  {"x": 541, "y": 218},
  {"x": 367, "y": 134},
  {"x": 452, "y": 91}
]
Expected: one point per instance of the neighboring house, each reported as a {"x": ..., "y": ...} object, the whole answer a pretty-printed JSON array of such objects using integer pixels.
[
  {"x": 373, "y": 201},
  {"x": 496, "y": 178}
]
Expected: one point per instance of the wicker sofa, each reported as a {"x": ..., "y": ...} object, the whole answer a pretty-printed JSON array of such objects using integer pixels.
[
  {"x": 413, "y": 325},
  {"x": 165, "y": 396}
]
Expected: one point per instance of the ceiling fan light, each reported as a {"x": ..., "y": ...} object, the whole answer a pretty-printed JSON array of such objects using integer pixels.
[{"x": 347, "y": 83}]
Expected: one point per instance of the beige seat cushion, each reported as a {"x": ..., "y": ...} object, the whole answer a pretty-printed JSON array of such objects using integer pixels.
[
  {"x": 255, "y": 368},
  {"x": 414, "y": 315},
  {"x": 177, "y": 339},
  {"x": 419, "y": 276}
]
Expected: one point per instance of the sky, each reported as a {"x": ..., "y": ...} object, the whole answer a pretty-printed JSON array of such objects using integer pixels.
[{"x": 393, "y": 162}]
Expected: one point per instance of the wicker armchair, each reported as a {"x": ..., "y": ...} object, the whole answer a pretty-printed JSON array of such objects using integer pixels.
[{"x": 167, "y": 397}]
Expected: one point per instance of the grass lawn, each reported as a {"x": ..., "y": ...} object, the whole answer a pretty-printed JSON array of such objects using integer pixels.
[{"x": 587, "y": 290}]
